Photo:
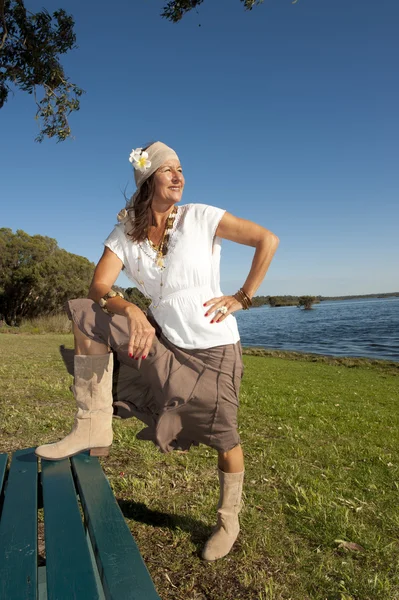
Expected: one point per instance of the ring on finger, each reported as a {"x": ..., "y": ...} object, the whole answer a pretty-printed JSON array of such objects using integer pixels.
[{"x": 223, "y": 310}]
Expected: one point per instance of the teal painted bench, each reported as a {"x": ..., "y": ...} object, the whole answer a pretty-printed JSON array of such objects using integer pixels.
[{"x": 88, "y": 557}]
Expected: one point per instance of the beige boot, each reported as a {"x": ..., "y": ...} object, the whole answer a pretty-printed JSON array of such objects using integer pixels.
[
  {"x": 226, "y": 531},
  {"x": 93, "y": 422}
]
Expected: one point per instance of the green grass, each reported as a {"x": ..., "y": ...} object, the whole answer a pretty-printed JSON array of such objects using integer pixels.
[
  {"x": 321, "y": 440},
  {"x": 58, "y": 323}
]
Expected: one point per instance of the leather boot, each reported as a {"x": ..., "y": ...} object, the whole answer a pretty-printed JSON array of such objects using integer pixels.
[
  {"x": 93, "y": 421},
  {"x": 226, "y": 531}
]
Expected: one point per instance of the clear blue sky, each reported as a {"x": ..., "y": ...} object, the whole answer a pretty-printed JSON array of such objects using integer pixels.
[{"x": 286, "y": 115}]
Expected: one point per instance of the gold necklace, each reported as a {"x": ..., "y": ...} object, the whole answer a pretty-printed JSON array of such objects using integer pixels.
[
  {"x": 162, "y": 248},
  {"x": 159, "y": 263}
]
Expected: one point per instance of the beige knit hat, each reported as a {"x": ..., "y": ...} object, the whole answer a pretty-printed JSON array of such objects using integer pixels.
[{"x": 146, "y": 162}]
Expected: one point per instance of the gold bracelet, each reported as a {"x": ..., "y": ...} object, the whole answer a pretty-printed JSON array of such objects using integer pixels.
[{"x": 103, "y": 301}]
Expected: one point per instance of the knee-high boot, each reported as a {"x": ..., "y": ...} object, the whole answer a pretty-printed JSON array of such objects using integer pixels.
[
  {"x": 93, "y": 421},
  {"x": 228, "y": 527}
]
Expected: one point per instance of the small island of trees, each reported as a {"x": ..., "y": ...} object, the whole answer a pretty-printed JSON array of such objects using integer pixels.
[
  {"x": 276, "y": 301},
  {"x": 306, "y": 302}
]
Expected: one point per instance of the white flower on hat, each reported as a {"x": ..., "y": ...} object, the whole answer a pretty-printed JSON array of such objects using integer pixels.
[{"x": 139, "y": 160}]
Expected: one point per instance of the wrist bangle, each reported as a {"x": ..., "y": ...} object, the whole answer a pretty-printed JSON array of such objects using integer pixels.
[
  {"x": 243, "y": 299},
  {"x": 103, "y": 301},
  {"x": 248, "y": 299}
]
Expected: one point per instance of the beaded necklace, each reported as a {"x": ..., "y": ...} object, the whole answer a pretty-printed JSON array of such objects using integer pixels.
[{"x": 161, "y": 250}]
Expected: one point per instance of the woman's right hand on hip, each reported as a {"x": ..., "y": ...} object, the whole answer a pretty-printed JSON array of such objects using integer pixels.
[{"x": 141, "y": 333}]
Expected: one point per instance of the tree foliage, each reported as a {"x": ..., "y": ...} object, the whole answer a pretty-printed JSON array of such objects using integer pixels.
[
  {"x": 277, "y": 301},
  {"x": 176, "y": 9},
  {"x": 306, "y": 302},
  {"x": 136, "y": 297},
  {"x": 30, "y": 46},
  {"x": 37, "y": 277}
]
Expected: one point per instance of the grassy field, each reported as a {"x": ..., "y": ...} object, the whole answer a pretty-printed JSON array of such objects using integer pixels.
[{"x": 321, "y": 439}]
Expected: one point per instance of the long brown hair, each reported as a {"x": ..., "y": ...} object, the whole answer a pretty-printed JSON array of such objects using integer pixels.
[
  {"x": 140, "y": 208},
  {"x": 140, "y": 211}
]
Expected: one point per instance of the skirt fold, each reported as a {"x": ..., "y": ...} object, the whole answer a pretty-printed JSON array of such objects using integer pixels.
[{"x": 184, "y": 397}]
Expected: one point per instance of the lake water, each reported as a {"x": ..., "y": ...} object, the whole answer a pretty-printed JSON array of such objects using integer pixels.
[{"x": 366, "y": 327}]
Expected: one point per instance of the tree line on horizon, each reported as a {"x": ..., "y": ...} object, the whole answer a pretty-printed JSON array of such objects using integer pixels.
[{"x": 277, "y": 301}]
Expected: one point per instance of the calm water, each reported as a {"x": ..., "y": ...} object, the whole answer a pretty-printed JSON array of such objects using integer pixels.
[{"x": 368, "y": 327}]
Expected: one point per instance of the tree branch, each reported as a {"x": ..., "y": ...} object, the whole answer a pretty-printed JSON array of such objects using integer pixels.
[{"x": 3, "y": 20}]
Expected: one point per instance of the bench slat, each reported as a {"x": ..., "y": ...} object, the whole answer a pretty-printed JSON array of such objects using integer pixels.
[
  {"x": 18, "y": 529},
  {"x": 3, "y": 465},
  {"x": 121, "y": 567},
  {"x": 69, "y": 569}
]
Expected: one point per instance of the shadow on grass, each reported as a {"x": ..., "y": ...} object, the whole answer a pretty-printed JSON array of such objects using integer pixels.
[
  {"x": 67, "y": 355},
  {"x": 138, "y": 511}
]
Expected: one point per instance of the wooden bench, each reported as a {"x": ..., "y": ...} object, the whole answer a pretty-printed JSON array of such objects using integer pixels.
[{"x": 87, "y": 558}]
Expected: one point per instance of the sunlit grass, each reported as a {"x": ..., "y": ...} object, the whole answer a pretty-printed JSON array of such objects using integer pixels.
[
  {"x": 321, "y": 441},
  {"x": 58, "y": 323}
]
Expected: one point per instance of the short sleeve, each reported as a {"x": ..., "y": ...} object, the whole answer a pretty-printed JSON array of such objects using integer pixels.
[
  {"x": 208, "y": 217},
  {"x": 116, "y": 241}
]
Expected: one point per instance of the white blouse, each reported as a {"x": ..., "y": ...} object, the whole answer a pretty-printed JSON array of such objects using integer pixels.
[{"x": 190, "y": 277}]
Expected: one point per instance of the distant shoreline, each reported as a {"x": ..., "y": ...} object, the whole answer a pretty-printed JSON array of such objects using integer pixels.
[
  {"x": 289, "y": 300},
  {"x": 387, "y": 295},
  {"x": 345, "y": 361},
  {"x": 323, "y": 298}
]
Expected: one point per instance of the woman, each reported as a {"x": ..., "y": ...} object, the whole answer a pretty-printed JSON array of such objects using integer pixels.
[{"x": 181, "y": 363}]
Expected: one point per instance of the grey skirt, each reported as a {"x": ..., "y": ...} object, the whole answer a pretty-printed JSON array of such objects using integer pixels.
[{"x": 185, "y": 397}]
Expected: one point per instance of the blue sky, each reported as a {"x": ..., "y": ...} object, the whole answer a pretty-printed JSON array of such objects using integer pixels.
[{"x": 286, "y": 115}]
